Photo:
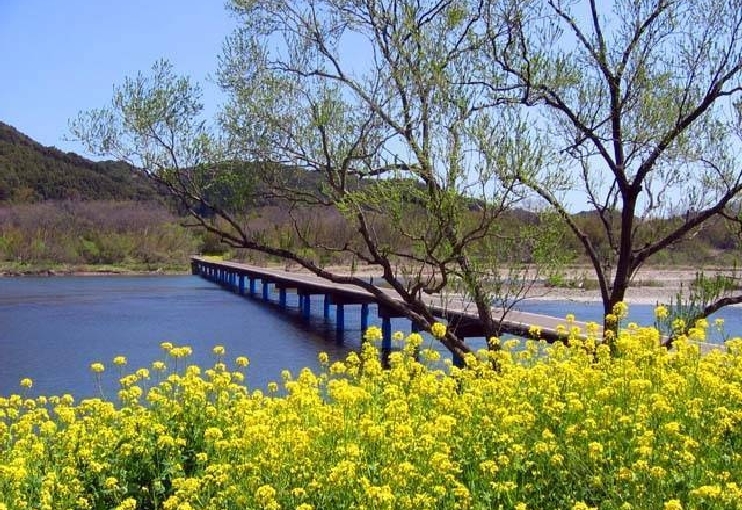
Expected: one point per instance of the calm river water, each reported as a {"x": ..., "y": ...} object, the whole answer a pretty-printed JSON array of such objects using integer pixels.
[{"x": 51, "y": 329}]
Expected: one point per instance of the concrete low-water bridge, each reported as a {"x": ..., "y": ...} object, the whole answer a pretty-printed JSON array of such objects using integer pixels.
[{"x": 459, "y": 312}]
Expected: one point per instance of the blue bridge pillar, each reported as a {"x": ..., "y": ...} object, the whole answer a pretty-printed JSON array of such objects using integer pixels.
[
  {"x": 364, "y": 317},
  {"x": 386, "y": 334},
  {"x": 328, "y": 302},
  {"x": 306, "y": 306},
  {"x": 340, "y": 319},
  {"x": 282, "y": 297}
]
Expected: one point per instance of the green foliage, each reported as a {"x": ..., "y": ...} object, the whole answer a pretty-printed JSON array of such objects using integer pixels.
[
  {"x": 559, "y": 279},
  {"x": 90, "y": 251},
  {"x": 689, "y": 305},
  {"x": 210, "y": 244}
]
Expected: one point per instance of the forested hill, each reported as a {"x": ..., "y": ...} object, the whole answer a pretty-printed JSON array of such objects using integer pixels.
[{"x": 30, "y": 172}]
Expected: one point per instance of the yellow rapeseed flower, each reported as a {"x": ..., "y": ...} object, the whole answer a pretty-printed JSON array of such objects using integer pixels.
[
  {"x": 592, "y": 328},
  {"x": 373, "y": 334},
  {"x": 180, "y": 352},
  {"x": 702, "y": 323},
  {"x": 119, "y": 360},
  {"x": 414, "y": 340},
  {"x": 97, "y": 367},
  {"x": 697, "y": 334},
  {"x": 26, "y": 382},
  {"x": 650, "y": 413},
  {"x": 127, "y": 504},
  {"x": 621, "y": 309},
  {"x": 438, "y": 330},
  {"x": 661, "y": 312},
  {"x": 581, "y": 505},
  {"x": 595, "y": 450},
  {"x": 708, "y": 491},
  {"x": 265, "y": 494}
]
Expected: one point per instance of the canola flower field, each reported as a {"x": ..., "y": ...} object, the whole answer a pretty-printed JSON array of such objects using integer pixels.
[{"x": 527, "y": 426}]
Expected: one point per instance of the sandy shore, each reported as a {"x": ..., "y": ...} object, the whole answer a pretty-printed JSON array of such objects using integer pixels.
[
  {"x": 635, "y": 295},
  {"x": 651, "y": 285}
]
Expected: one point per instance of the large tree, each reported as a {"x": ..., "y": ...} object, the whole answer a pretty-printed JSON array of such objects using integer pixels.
[
  {"x": 361, "y": 110},
  {"x": 640, "y": 101}
]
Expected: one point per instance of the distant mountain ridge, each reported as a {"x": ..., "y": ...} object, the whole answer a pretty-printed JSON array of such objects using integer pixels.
[{"x": 31, "y": 172}]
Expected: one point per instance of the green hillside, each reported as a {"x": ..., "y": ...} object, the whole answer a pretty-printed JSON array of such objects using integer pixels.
[{"x": 31, "y": 172}]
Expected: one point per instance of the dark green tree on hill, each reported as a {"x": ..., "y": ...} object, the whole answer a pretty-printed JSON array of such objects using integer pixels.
[{"x": 30, "y": 172}]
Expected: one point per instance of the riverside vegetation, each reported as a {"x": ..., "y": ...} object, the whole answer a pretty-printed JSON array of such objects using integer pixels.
[
  {"x": 530, "y": 425},
  {"x": 125, "y": 234},
  {"x": 118, "y": 234}
]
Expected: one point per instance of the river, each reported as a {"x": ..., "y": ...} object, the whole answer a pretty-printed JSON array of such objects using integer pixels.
[{"x": 51, "y": 329}]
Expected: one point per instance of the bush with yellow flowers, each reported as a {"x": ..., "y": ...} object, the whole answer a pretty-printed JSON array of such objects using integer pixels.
[{"x": 525, "y": 426}]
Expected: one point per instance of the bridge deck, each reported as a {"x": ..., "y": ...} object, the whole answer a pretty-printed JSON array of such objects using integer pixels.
[{"x": 459, "y": 311}]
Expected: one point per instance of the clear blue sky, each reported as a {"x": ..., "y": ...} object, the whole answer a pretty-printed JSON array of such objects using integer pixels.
[{"x": 58, "y": 57}]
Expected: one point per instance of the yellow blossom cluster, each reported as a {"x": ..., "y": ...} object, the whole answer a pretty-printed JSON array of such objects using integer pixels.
[{"x": 524, "y": 425}]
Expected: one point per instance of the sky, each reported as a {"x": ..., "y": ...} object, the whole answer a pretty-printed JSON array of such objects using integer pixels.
[{"x": 60, "y": 57}]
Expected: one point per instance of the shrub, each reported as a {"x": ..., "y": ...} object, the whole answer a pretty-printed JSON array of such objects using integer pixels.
[
  {"x": 554, "y": 426},
  {"x": 104, "y": 232},
  {"x": 211, "y": 244}
]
